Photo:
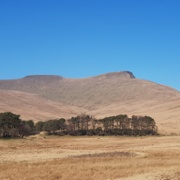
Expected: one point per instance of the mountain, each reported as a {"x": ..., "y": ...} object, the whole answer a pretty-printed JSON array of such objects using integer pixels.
[{"x": 103, "y": 95}]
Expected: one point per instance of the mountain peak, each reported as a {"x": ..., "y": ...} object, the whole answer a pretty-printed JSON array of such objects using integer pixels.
[
  {"x": 43, "y": 77},
  {"x": 122, "y": 74}
]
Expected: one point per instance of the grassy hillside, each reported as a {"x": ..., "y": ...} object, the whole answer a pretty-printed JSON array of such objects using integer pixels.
[{"x": 31, "y": 106}]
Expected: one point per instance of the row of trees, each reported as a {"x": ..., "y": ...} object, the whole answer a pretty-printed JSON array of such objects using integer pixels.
[
  {"x": 12, "y": 126},
  {"x": 87, "y": 125},
  {"x": 113, "y": 125}
]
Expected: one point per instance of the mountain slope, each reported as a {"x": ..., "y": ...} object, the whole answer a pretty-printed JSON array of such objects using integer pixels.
[
  {"x": 107, "y": 94},
  {"x": 31, "y": 106}
]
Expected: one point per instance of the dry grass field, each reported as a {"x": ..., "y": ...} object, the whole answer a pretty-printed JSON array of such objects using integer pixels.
[{"x": 90, "y": 158}]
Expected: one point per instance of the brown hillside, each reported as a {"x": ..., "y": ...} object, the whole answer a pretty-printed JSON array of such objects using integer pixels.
[
  {"x": 31, "y": 106},
  {"x": 107, "y": 94}
]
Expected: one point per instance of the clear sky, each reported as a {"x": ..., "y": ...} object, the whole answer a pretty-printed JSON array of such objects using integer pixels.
[{"x": 82, "y": 38}]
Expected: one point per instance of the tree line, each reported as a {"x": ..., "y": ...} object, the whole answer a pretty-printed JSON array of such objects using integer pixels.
[{"x": 12, "y": 126}]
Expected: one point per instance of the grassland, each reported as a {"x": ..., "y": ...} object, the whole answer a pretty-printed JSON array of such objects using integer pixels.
[{"x": 86, "y": 158}]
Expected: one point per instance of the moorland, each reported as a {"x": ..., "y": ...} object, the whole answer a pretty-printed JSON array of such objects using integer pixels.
[{"x": 89, "y": 158}]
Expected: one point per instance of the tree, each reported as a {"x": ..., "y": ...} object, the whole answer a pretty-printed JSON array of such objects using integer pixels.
[
  {"x": 31, "y": 124},
  {"x": 9, "y": 124},
  {"x": 53, "y": 126},
  {"x": 24, "y": 129},
  {"x": 39, "y": 126}
]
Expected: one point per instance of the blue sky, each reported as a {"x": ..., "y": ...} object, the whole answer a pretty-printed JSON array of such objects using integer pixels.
[{"x": 82, "y": 38}]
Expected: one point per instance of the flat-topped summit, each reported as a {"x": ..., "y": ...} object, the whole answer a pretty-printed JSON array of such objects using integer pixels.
[
  {"x": 43, "y": 77},
  {"x": 121, "y": 74}
]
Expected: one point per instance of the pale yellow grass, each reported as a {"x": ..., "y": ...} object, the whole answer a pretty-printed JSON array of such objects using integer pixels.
[{"x": 68, "y": 158}]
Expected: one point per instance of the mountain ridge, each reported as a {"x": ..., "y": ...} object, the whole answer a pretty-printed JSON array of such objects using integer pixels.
[{"x": 123, "y": 74}]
